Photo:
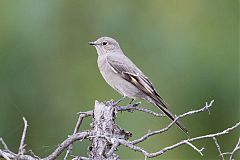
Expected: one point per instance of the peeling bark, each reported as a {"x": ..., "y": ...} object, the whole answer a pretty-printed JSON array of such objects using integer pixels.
[{"x": 104, "y": 125}]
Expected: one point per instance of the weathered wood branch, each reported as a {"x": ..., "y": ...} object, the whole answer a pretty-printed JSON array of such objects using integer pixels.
[
  {"x": 104, "y": 125},
  {"x": 106, "y": 136}
]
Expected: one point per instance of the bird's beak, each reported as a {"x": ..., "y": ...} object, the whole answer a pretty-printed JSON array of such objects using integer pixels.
[{"x": 93, "y": 43}]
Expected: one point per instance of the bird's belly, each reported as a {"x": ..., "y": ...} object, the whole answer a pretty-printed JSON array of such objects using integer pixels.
[{"x": 118, "y": 83}]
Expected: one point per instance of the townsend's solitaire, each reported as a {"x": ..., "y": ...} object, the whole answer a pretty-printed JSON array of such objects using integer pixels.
[{"x": 125, "y": 77}]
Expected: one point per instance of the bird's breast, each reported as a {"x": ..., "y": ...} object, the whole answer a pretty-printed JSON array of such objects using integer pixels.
[
  {"x": 115, "y": 80},
  {"x": 108, "y": 74}
]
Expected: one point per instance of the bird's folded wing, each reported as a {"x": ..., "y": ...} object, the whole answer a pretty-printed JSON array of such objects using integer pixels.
[{"x": 129, "y": 72}]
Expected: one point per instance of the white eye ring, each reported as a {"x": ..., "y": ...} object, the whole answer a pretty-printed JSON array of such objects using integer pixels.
[{"x": 104, "y": 43}]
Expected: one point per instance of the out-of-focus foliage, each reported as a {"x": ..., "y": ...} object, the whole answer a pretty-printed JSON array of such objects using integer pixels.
[{"x": 48, "y": 72}]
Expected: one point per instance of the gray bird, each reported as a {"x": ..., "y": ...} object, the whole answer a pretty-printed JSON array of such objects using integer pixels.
[{"x": 125, "y": 77}]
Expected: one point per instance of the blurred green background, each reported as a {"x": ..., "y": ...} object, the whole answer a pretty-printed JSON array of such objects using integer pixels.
[{"x": 48, "y": 72}]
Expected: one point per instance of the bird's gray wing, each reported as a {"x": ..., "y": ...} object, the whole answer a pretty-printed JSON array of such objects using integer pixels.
[{"x": 128, "y": 71}]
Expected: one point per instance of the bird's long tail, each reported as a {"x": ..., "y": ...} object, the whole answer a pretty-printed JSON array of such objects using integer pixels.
[{"x": 164, "y": 109}]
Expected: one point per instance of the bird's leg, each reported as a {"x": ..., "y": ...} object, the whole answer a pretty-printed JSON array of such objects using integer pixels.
[
  {"x": 118, "y": 101},
  {"x": 133, "y": 104},
  {"x": 131, "y": 101}
]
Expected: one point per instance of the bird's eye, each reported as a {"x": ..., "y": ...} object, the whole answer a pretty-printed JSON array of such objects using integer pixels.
[{"x": 104, "y": 43}]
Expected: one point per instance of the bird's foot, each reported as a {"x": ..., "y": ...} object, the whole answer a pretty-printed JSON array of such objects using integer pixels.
[
  {"x": 135, "y": 104},
  {"x": 131, "y": 101},
  {"x": 132, "y": 107}
]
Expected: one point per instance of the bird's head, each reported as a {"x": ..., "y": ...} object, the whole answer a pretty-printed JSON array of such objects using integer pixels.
[{"x": 106, "y": 45}]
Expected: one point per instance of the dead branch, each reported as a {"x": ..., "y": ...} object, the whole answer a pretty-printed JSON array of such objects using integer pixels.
[
  {"x": 135, "y": 106},
  {"x": 21, "y": 149},
  {"x": 218, "y": 148},
  {"x": 71, "y": 139},
  {"x": 4, "y": 144},
  {"x": 237, "y": 147},
  {"x": 81, "y": 116},
  {"x": 146, "y": 136},
  {"x": 106, "y": 136},
  {"x": 232, "y": 154},
  {"x": 186, "y": 141}
]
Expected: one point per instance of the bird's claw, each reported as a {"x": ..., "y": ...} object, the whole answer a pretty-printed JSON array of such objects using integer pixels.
[{"x": 136, "y": 104}]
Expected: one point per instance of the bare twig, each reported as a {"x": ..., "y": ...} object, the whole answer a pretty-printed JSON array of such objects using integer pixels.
[
  {"x": 4, "y": 144},
  {"x": 227, "y": 153},
  {"x": 206, "y": 107},
  {"x": 106, "y": 136},
  {"x": 33, "y": 154},
  {"x": 52, "y": 156},
  {"x": 81, "y": 116},
  {"x": 21, "y": 149},
  {"x": 130, "y": 145},
  {"x": 195, "y": 148},
  {"x": 4, "y": 155},
  {"x": 132, "y": 107},
  {"x": 14, "y": 156},
  {"x": 218, "y": 148},
  {"x": 66, "y": 143},
  {"x": 237, "y": 147},
  {"x": 80, "y": 158}
]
